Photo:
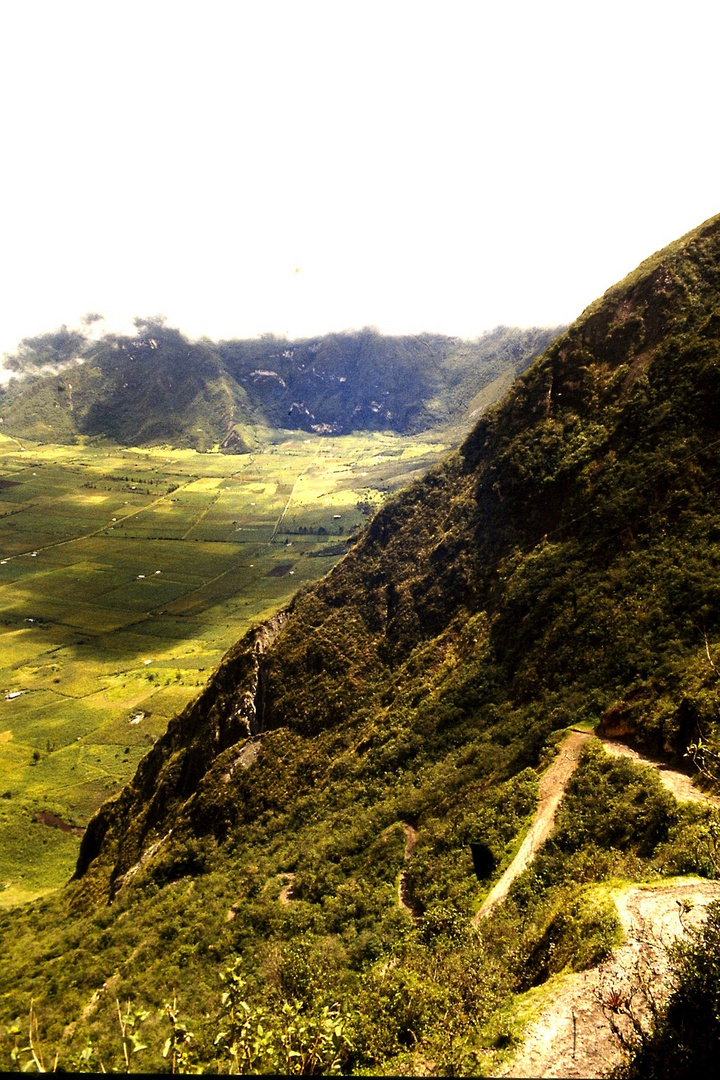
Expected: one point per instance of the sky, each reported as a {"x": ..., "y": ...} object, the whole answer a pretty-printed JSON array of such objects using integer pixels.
[{"x": 254, "y": 166}]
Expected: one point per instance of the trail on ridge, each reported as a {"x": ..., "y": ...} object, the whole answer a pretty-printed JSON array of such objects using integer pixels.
[
  {"x": 552, "y": 788},
  {"x": 572, "y": 1036}
]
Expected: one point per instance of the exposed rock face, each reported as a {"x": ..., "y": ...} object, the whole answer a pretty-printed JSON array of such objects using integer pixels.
[
  {"x": 229, "y": 712},
  {"x": 529, "y": 535}
]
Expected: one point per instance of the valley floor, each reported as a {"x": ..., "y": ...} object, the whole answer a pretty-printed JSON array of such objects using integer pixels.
[{"x": 125, "y": 575}]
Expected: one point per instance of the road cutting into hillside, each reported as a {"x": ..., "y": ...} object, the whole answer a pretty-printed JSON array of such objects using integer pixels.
[
  {"x": 553, "y": 783},
  {"x": 552, "y": 788},
  {"x": 572, "y": 1036},
  {"x": 678, "y": 784}
]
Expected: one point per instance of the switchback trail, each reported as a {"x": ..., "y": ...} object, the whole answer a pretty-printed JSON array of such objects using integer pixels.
[
  {"x": 678, "y": 784},
  {"x": 572, "y": 1036},
  {"x": 552, "y": 788}
]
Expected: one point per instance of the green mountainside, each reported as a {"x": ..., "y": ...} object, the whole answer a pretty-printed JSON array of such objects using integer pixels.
[
  {"x": 302, "y": 831},
  {"x": 159, "y": 387}
]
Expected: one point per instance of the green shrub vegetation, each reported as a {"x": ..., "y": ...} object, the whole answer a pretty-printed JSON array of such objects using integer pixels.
[
  {"x": 685, "y": 1038},
  {"x": 147, "y": 565},
  {"x": 560, "y": 568}
]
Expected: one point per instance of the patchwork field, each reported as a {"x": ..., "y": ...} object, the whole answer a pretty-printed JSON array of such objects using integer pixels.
[{"x": 125, "y": 574}]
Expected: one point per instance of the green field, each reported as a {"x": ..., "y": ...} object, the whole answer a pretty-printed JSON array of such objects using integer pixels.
[{"x": 125, "y": 574}]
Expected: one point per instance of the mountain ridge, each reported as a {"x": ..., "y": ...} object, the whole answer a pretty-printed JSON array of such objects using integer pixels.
[
  {"x": 423, "y": 595},
  {"x": 559, "y": 569},
  {"x": 160, "y": 387}
]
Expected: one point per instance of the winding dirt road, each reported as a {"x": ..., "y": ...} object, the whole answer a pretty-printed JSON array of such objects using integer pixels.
[
  {"x": 572, "y": 1036},
  {"x": 552, "y": 788}
]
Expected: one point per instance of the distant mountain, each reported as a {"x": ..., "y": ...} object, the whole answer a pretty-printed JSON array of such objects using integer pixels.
[
  {"x": 159, "y": 387},
  {"x": 575, "y": 530},
  {"x": 305, "y": 825}
]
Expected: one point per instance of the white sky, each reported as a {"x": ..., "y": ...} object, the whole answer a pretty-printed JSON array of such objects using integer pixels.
[{"x": 304, "y": 166}]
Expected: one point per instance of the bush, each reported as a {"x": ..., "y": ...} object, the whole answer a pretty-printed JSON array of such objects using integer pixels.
[{"x": 686, "y": 1039}]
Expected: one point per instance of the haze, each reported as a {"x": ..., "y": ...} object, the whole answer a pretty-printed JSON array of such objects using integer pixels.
[{"x": 307, "y": 166}]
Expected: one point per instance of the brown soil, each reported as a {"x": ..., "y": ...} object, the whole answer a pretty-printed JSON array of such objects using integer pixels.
[
  {"x": 411, "y": 839},
  {"x": 552, "y": 787},
  {"x": 281, "y": 569},
  {"x": 286, "y": 893},
  {"x": 572, "y": 1036},
  {"x": 677, "y": 783},
  {"x": 405, "y": 900},
  {"x": 55, "y": 822}
]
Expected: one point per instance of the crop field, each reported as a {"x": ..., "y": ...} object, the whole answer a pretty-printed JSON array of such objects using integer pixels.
[{"x": 125, "y": 574}]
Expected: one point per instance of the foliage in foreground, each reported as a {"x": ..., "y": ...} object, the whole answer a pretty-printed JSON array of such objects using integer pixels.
[
  {"x": 561, "y": 568},
  {"x": 433, "y": 989},
  {"x": 291, "y": 1040},
  {"x": 685, "y": 1041}
]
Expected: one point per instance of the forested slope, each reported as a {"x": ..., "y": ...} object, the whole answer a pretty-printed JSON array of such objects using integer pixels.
[
  {"x": 560, "y": 568},
  {"x": 575, "y": 530}
]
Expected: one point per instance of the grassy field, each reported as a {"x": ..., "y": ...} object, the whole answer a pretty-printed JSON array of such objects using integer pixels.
[{"x": 125, "y": 574}]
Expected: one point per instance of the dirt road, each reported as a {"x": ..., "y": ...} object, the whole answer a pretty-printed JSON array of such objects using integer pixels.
[
  {"x": 572, "y": 1037},
  {"x": 552, "y": 788},
  {"x": 404, "y": 898},
  {"x": 678, "y": 784}
]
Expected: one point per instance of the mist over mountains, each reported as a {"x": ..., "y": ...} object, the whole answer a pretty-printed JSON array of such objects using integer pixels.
[
  {"x": 159, "y": 387},
  {"x": 305, "y": 825}
]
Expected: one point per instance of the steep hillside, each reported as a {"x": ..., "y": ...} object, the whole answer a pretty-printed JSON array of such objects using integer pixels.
[
  {"x": 312, "y": 812},
  {"x": 577, "y": 523},
  {"x": 368, "y": 381},
  {"x": 153, "y": 388},
  {"x": 159, "y": 387}
]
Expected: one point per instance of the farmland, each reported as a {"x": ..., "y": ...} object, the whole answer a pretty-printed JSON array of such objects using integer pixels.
[{"x": 125, "y": 574}]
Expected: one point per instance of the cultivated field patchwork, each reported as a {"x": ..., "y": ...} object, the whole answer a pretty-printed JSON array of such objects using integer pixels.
[{"x": 125, "y": 574}]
